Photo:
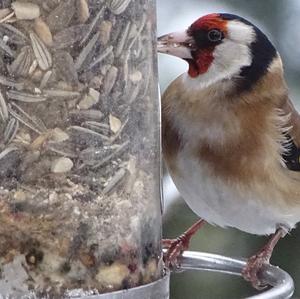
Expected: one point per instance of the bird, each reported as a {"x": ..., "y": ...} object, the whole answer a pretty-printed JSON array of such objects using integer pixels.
[{"x": 231, "y": 134}]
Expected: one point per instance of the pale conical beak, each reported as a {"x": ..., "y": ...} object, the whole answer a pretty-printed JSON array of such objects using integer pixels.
[{"x": 178, "y": 44}]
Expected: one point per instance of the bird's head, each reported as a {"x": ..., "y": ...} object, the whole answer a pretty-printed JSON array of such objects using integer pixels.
[{"x": 219, "y": 47}]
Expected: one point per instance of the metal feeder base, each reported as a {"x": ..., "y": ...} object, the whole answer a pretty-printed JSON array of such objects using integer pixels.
[{"x": 155, "y": 290}]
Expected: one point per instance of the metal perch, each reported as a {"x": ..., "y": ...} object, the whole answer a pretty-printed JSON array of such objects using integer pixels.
[{"x": 281, "y": 282}]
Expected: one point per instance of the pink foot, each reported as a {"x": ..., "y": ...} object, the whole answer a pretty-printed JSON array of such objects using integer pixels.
[
  {"x": 175, "y": 247},
  {"x": 255, "y": 263}
]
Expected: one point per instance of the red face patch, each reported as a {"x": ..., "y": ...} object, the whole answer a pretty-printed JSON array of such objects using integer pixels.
[
  {"x": 203, "y": 53},
  {"x": 201, "y": 64},
  {"x": 209, "y": 22}
]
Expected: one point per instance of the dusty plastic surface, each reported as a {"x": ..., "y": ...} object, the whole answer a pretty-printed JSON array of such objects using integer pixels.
[{"x": 79, "y": 147}]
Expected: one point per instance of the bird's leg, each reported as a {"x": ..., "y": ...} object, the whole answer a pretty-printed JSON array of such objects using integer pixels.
[
  {"x": 255, "y": 262},
  {"x": 175, "y": 247}
]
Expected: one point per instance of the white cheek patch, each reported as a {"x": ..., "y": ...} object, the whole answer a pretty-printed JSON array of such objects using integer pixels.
[
  {"x": 240, "y": 32},
  {"x": 230, "y": 56}
]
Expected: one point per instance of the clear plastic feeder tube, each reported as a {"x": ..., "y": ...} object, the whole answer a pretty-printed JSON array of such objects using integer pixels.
[{"x": 79, "y": 147}]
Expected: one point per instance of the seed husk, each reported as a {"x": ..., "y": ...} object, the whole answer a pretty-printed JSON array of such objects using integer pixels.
[
  {"x": 105, "y": 31},
  {"x": 43, "y": 31},
  {"x": 91, "y": 99},
  {"x": 83, "y": 11},
  {"x": 115, "y": 123},
  {"x": 25, "y": 10},
  {"x": 62, "y": 165}
]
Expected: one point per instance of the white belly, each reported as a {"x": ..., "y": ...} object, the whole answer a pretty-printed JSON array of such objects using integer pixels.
[{"x": 219, "y": 203}]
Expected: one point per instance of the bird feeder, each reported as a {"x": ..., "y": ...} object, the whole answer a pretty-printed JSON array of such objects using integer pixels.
[{"x": 80, "y": 211}]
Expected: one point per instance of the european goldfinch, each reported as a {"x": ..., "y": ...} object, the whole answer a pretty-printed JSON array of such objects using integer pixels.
[{"x": 231, "y": 135}]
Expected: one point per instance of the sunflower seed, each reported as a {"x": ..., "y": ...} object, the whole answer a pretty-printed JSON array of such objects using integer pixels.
[
  {"x": 4, "y": 12},
  {"x": 6, "y": 48},
  {"x": 21, "y": 65},
  {"x": 7, "y": 151},
  {"x": 11, "y": 83},
  {"x": 92, "y": 26},
  {"x": 9, "y": 160},
  {"x": 118, "y": 133},
  {"x": 92, "y": 155},
  {"x": 11, "y": 130},
  {"x": 86, "y": 51},
  {"x": 114, "y": 181},
  {"x": 33, "y": 68},
  {"x": 57, "y": 93},
  {"x": 63, "y": 149},
  {"x": 116, "y": 152},
  {"x": 15, "y": 35},
  {"x": 83, "y": 115},
  {"x": 97, "y": 126},
  {"x": 118, "y": 6},
  {"x": 122, "y": 40},
  {"x": 141, "y": 28},
  {"x": 41, "y": 52},
  {"x": 25, "y": 97},
  {"x": 83, "y": 135},
  {"x": 8, "y": 18},
  {"x": 25, "y": 119},
  {"x": 133, "y": 94},
  {"x": 110, "y": 79},
  {"x": 3, "y": 108},
  {"x": 45, "y": 79},
  {"x": 100, "y": 58}
]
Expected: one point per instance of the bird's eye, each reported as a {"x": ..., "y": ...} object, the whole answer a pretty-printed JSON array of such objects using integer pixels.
[{"x": 215, "y": 35}]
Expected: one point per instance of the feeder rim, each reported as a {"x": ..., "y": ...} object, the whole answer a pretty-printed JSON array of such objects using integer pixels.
[{"x": 281, "y": 282}]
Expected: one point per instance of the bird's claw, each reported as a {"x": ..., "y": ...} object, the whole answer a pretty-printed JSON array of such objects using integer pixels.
[
  {"x": 252, "y": 270},
  {"x": 175, "y": 248}
]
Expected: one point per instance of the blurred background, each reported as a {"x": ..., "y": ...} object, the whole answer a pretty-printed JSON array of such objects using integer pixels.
[{"x": 280, "y": 20}]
